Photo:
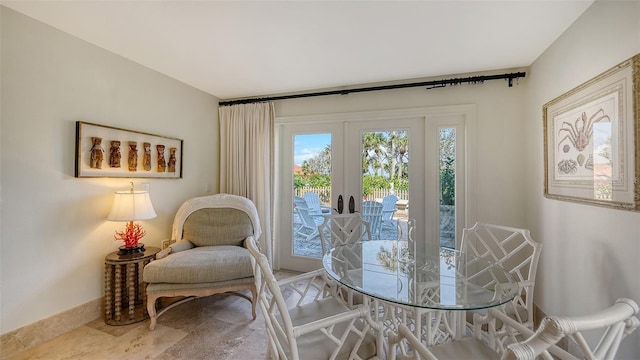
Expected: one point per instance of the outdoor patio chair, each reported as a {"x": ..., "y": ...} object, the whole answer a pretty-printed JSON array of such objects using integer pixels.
[
  {"x": 308, "y": 222},
  {"x": 388, "y": 210},
  {"x": 314, "y": 205},
  {"x": 311, "y": 323},
  {"x": 372, "y": 213},
  {"x": 298, "y": 201}
]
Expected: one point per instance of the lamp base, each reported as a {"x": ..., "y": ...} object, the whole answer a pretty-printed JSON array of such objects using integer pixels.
[{"x": 131, "y": 250}]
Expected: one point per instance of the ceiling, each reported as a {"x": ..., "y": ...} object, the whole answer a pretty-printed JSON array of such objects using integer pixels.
[{"x": 234, "y": 49}]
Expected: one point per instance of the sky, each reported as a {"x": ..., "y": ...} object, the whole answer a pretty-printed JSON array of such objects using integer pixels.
[{"x": 306, "y": 146}]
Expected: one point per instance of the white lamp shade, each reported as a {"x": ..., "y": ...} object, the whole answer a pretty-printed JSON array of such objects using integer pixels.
[{"x": 131, "y": 206}]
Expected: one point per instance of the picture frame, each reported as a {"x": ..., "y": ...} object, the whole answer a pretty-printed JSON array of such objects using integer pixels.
[
  {"x": 106, "y": 151},
  {"x": 591, "y": 140}
]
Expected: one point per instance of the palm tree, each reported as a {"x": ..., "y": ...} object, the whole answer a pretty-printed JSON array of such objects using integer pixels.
[
  {"x": 397, "y": 146},
  {"x": 391, "y": 150},
  {"x": 372, "y": 152},
  {"x": 320, "y": 163}
]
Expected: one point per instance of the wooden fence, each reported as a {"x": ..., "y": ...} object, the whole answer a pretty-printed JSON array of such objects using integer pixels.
[{"x": 325, "y": 193}]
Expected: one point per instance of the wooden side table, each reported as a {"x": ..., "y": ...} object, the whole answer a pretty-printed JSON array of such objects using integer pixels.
[{"x": 123, "y": 287}]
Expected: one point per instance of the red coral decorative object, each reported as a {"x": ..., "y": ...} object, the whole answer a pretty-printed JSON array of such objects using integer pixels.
[{"x": 131, "y": 235}]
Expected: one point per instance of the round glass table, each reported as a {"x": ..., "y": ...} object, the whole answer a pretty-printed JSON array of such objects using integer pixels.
[{"x": 440, "y": 279}]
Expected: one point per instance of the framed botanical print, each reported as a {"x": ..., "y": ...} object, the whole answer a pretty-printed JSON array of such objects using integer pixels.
[{"x": 591, "y": 146}]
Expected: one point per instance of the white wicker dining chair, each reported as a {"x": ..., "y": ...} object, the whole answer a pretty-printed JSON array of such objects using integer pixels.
[
  {"x": 316, "y": 325},
  {"x": 343, "y": 229},
  {"x": 618, "y": 321},
  {"x": 503, "y": 339},
  {"x": 404, "y": 345},
  {"x": 514, "y": 250}
]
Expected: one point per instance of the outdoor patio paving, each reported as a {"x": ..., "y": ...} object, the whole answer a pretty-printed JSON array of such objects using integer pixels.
[{"x": 312, "y": 247}]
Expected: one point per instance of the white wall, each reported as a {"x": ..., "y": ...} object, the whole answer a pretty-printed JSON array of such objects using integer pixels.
[
  {"x": 591, "y": 254},
  {"x": 54, "y": 234}
]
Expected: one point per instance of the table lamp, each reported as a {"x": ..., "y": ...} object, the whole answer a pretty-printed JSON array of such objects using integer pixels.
[{"x": 131, "y": 206}]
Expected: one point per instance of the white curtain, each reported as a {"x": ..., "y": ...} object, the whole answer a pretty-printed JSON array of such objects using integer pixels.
[{"x": 246, "y": 160}]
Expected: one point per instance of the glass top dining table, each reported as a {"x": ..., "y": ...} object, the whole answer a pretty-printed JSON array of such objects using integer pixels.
[{"x": 441, "y": 278}]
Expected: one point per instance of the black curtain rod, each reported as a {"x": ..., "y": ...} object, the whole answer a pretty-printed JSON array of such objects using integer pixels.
[{"x": 432, "y": 84}]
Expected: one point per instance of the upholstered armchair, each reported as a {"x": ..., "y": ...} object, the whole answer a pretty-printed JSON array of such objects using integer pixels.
[{"x": 207, "y": 255}]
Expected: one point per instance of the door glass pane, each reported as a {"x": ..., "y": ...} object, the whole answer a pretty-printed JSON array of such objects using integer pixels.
[
  {"x": 385, "y": 181},
  {"x": 447, "y": 187},
  {"x": 311, "y": 191}
]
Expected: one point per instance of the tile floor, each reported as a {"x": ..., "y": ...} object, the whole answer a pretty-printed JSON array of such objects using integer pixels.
[{"x": 217, "y": 327}]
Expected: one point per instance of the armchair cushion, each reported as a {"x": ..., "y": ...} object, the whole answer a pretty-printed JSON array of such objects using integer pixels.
[
  {"x": 217, "y": 226},
  {"x": 204, "y": 264}
]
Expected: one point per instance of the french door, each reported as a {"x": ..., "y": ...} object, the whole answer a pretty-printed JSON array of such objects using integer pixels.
[{"x": 367, "y": 157}]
